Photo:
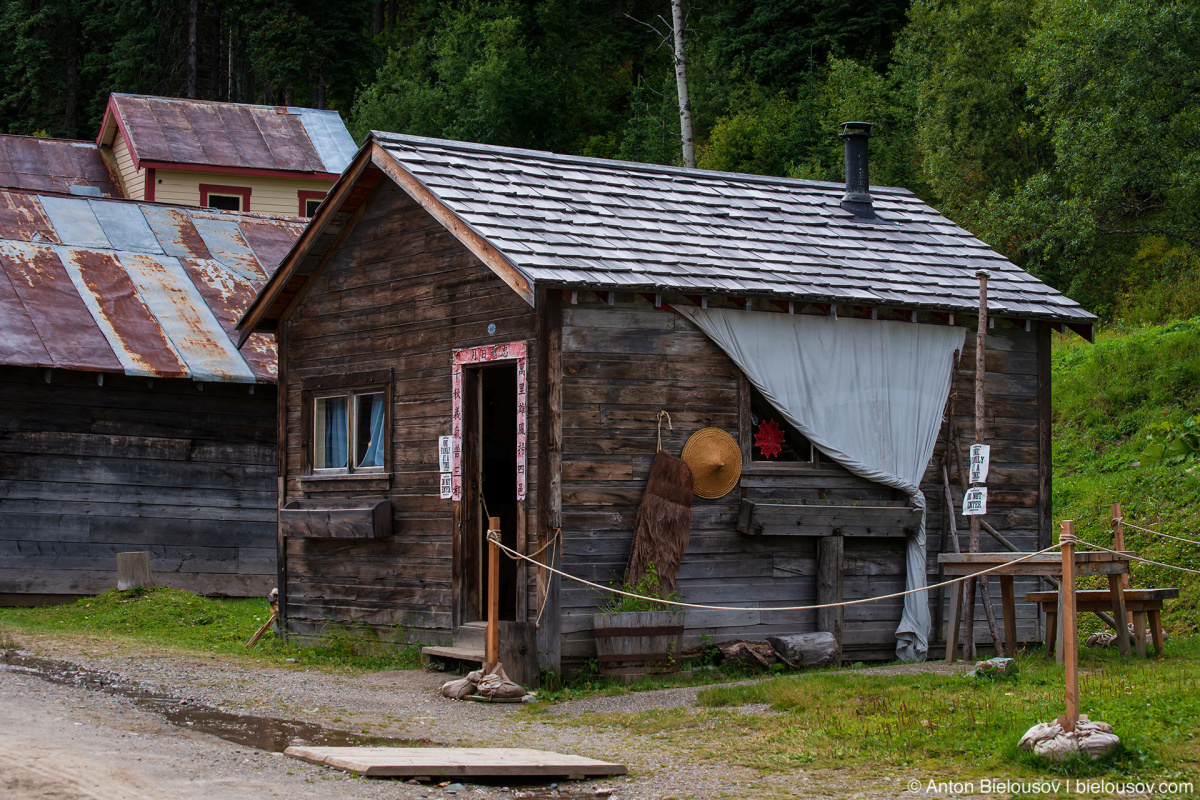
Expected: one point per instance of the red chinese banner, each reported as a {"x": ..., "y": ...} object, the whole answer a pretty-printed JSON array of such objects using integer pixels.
[{"x": 513, "y": 351}]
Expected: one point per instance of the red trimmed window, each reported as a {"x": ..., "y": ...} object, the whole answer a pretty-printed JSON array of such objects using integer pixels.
[
  {"x": 226, "y": 198},
  {"x": 309, "y": 200}
]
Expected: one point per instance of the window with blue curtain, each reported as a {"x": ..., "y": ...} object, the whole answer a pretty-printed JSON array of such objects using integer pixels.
[
  {"x": 331, "y": 422},
  {"x": 371, "y": 415}
]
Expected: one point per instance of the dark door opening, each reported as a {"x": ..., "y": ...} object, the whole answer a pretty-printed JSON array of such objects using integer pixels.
[{"x": 491, "y": 483}]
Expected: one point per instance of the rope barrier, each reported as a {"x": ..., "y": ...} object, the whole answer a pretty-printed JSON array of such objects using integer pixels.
[
  {"x": 1139, "y": 558},
  {"x": 1159, "y": 533},
  {"x": 515, "y": 555}
]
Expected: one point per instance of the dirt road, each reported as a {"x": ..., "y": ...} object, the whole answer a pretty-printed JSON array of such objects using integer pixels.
[{"x": 67, "y": 741}]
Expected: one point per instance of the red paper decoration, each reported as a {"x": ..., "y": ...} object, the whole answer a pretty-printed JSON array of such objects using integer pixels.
[{"x": 769, "y": 438}]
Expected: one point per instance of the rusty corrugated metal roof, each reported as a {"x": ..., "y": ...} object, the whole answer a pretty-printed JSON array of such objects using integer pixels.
[
  {"x": 169, "y": 130},
  {"x": 139, "y": 288},
  {"x": 53, "y": 165}
]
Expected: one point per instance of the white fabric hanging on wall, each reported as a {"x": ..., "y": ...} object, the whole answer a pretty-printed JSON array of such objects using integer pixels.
[{"x": 869, "y": 394}]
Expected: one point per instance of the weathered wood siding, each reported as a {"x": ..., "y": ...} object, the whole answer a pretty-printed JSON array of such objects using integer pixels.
[
  {"x": 622, "y": 363},
  {"x": 401, "y": 294},
  {"x": 88, "y": 471},
  {"x": 1017, "y": 426}
]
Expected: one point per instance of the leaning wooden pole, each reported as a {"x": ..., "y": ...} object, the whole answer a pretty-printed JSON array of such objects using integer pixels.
[
  {"x": 1119, "y": 538},
  {"x": 1070, "y": 647},
  {"x": 492, "y": 641}
]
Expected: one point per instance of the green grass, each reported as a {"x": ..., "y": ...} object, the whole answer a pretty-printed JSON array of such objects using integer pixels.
[
  {"x": 1106, "y": 397},
  {"x": 182, "y": 621},
  {"x": 948, "y": 724}
]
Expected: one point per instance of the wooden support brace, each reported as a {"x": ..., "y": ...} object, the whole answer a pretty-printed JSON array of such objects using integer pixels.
[
  {"x": 1118, "y": 523},
  {"x": 1070, "y": 644},
  {"x": 830, "y": 574},
  {"x": 492, "y": 642}
]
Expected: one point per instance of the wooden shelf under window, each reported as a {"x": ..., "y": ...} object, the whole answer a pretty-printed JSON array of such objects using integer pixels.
[
  {"x": 784, "y": 519},
  {"x": 354, "y": 518}
]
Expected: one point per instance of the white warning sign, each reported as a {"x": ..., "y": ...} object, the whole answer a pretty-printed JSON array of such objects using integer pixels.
[
  {"x": 446, "y": 453},
  {"x": 447, "y": 485},
  {"x": 981, "y": 456},
  {"x": 975, "y": 501}
]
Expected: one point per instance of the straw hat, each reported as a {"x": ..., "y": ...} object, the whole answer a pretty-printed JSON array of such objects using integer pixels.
[{"x": 715, "y": 460}]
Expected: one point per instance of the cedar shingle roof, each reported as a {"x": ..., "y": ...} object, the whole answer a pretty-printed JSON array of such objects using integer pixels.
[{"x": 583, "y": 222}]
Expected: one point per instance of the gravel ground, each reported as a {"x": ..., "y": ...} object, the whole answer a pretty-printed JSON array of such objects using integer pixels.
[{"x": 61, "y": 741}]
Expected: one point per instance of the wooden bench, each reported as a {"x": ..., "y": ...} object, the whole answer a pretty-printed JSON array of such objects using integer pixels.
[{"x": 1142, "y": 603}]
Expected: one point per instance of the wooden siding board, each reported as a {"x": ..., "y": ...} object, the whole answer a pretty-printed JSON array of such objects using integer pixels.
[
  {"x": 622, "y": 363},
  {"x": 87, "y": 471},
  {"x": 396, "y": 294}
]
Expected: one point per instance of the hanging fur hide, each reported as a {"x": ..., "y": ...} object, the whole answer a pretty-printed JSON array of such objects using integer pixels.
[{"x": 664, "y": 522}]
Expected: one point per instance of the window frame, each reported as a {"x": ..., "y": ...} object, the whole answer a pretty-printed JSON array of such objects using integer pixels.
[
  {"x": 746, "y": 440},
  {"x": 350, "y": 386},
  {"x": 223, "y": 190},
  {"x": 306, "y": 196}
]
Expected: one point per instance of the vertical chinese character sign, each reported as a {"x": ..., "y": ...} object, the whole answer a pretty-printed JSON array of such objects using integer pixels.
[{"x": 513, "y": 351}]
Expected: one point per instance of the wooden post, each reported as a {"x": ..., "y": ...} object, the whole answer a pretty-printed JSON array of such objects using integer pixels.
[
  {"x": 548, "y": 462},
  {"x": 492, "y": 642},
  {"x": 830, "y": 571},
  {"x": 133, "y": 569},
  {"x": 973, "y": 540},
  {"x": 1119, "y": 537},
  {"x": 1070, "y": 645}
]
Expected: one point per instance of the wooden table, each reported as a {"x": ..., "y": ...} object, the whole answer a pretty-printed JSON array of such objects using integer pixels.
[
  {"x": 1141, "y": 603},
  {"x": 1047, "y": 565}
]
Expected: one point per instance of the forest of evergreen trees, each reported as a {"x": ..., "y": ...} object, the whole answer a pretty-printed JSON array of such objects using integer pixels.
[{"x": 1066, "y": 133}]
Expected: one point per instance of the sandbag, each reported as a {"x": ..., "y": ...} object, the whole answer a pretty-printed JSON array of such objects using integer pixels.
[
  {"x": 459, "y": 688},
  {"x": 1049, "y": 740},
  {"x": 496, "y": 684}
]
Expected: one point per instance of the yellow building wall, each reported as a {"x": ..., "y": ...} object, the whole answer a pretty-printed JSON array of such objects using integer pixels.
[
  {"x": 268, "y": 195},
  {"x": 133, "y": 181}
]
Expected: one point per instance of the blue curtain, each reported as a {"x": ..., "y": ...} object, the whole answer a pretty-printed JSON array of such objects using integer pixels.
[
  {"x": 335, "y": 432},
  {"x": 373, "y": 457}
]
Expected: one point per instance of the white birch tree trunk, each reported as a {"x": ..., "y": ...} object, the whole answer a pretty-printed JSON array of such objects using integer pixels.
[{"x": 685, "y": 103}]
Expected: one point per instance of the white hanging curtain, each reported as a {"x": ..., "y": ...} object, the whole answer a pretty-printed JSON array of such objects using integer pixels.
[{"x": 869, "y": 394}]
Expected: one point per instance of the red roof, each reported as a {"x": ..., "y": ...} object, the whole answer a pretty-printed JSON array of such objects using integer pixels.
[
  {"x": 53, "y": 165},
  {"x": 165, "y": 130}
]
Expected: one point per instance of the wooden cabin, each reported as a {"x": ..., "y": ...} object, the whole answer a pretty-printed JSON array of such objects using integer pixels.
[
  {"x": 537, "y": 309},
  {"x": 128, "y": 419},
  {"x": 230, "y": 156}
]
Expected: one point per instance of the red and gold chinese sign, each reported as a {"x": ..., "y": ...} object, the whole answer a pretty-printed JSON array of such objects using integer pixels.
[{"x": 513, "y": 351}]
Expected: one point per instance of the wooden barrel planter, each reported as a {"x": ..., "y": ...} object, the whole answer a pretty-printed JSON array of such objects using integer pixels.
[{"x": 635, "y": 643}]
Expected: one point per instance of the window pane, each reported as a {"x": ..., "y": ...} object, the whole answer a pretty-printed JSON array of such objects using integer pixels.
[
  {"x": 370, "y": 416},
  {"x": 330, "y": 423},
  {"x": 774, "y": 439},
  {"x": 225, "y": 202}
]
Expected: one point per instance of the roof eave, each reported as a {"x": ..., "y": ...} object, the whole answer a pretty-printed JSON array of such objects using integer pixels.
[
  {"x": 1082, "y": 323},
  {"x": 253, "y": 318}
]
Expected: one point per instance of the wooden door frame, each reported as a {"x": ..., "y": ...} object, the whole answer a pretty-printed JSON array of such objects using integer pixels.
[{"x": 465, "y": 418}]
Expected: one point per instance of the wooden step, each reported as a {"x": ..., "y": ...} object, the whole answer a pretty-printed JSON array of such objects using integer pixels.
[
  {"x": 431, "y": 763},
  {"x": 468, "y": 654}
]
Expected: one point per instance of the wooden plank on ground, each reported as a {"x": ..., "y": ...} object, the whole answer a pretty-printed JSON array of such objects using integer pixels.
[{"x": 458, "y": 762}]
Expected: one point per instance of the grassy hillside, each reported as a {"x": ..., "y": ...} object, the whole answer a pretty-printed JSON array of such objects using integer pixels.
[{"x": 1110, "y": 400}]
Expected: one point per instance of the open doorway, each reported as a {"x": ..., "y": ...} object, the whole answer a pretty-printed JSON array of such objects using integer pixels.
[{"x": 489, "y": 483}]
